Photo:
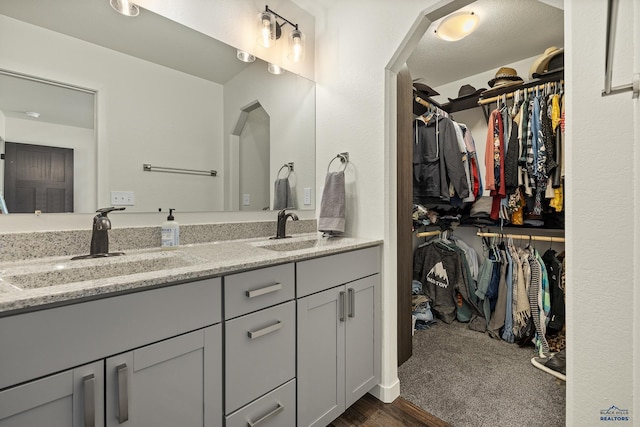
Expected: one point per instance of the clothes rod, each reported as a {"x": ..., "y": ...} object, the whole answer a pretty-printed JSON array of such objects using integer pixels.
[
  {"x": 522, "y": 237},
  {"x": 509, "y": 95},
  {"x": 149, "y": 168},
  {"x": 429, "y": 233}
]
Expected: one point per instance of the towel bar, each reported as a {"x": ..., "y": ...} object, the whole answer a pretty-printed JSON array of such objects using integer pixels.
[
  {"x": 149, "y": 168},
  {"x": 634, "y": 86}
]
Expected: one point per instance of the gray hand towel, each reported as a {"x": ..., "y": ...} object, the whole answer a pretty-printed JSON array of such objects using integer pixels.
[
  {"x": 332, "y": 205},
  {"x": 282, "y": 196}
]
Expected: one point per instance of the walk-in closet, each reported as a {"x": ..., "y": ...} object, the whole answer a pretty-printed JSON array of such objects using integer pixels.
[{"x": 481, "y": 124}]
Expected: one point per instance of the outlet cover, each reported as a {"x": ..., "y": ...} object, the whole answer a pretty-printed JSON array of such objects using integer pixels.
[
  {"x": 246, "y": 200},
  {"x": 122, "y": 198}
]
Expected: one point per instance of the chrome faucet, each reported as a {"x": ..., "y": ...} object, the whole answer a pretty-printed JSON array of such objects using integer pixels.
[
  {"x": 282, "y": 222},
  {"x": 100, "y": 235}
]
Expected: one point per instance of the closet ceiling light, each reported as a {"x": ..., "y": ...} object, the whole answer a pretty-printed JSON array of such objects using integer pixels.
[
  {"x": 32, "y": 114},
  {"x": 457, "y": 26},
  {"x": 270, "y": 30},
  {"x": 245, "y": 56},
  {"x": 125, "y": 7}
]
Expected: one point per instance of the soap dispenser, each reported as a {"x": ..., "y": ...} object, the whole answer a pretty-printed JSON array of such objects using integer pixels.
[{"x": 170, "y": 231}]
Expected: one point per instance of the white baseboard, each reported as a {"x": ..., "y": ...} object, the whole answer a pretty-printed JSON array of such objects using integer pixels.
[{"x": 386, "y": 394}]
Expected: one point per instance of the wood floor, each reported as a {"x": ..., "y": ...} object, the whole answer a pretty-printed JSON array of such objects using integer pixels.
[{"x": 370, "y": 412}]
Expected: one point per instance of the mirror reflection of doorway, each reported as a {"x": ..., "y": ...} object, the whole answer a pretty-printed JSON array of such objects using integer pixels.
[
  {"x": 38, "y": 177},
  {"x": 254, "y": 153}
]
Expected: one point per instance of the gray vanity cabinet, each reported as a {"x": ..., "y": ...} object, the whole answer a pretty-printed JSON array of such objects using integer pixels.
[
  {"x": 260, "y": 349},
  {"x": 170, "y": 383},
  {"x": 338, "y": 333},
  {"x": 73, "y": 398},
  {"x": 157, "y": 354}
]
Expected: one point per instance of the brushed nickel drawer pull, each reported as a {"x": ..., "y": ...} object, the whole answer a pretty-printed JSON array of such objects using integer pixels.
[
  {"x": 89, "y": 383},
  {"x": 342, "y": 304},
  {"x": 123, "y": 393},
  {"x": 265, "y": 331},
  {"x": 266, "y": 290},
  {"x": 352, "y": 302},
  {"x": 266, "y": 417}
]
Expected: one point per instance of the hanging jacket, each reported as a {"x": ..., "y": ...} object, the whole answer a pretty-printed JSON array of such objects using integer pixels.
[{"x": 437, "y": 161}]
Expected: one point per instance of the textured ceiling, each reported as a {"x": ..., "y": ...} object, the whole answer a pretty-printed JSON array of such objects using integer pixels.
[{"x": 508, "y": 31}]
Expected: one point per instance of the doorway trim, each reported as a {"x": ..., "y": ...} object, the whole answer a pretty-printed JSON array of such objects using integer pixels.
[{"x": 390, "y": 262}]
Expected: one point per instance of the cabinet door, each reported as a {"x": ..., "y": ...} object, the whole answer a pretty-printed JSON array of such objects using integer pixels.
[
  {"x": 176, "y": 382},
  {"x": 321, "y": 370},
  {"x": 71, "y": 398},
  {"x": 362, "y": 339}
]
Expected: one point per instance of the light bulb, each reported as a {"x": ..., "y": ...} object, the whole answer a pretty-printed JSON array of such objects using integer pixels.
[
  {"x": 296, "y": 46},
  {"x": 266, "y": 29}
]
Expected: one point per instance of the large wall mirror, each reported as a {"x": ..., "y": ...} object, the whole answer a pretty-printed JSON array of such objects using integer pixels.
[{"x": 120, "y": 93}]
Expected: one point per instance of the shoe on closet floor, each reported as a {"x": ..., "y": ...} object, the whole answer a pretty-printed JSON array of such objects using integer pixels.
[{"x": 555, "y": 365}]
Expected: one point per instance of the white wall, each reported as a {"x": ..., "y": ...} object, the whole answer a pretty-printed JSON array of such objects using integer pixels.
[
  {"x": 141, "y": 117},
  {"x": 254, "y": 161},
  {"x": 602, "y": 136},
  {"x": 81, "y": 140},
  {"x": 289, "y": 100}
]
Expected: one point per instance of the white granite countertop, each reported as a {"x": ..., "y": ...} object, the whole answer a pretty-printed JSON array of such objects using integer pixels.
[{"x": 45, "y": 282}]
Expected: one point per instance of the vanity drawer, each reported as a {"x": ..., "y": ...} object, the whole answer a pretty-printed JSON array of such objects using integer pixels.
[
  {"x": 259, "y": 353},
  {"x": 316, "y": 275},
  {"x": 257, "y": 289},
  {"x": 276, "y": 409}
]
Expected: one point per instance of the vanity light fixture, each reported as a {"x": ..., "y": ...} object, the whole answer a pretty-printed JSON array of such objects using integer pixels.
[
  {"x": 245, "y": 56},
  {"x": 457, "y": 26},
  {"x": 275, "y": 69},
  {"x": 125, "y": 7},
  {"x": 270, "y": 30}
]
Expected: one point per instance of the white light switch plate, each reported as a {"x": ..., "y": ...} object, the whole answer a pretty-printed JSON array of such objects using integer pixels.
[{"x": 307, "y": 195}]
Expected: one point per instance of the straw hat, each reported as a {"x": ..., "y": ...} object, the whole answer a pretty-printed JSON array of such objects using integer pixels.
[
  {"x": 505, "y": 76},
  {"x": 541, "y": 63}
]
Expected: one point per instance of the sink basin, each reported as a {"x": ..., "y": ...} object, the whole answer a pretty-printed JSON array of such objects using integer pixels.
[
  {"x": 285, "y": 245},
  {"x": 80, "y": 271}
]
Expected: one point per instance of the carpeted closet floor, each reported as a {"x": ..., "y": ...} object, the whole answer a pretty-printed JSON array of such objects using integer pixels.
[{"x": 468, "y": 379}]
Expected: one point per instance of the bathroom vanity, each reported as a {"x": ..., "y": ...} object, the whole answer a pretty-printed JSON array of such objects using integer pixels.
[{"x": 236, "y": 333}]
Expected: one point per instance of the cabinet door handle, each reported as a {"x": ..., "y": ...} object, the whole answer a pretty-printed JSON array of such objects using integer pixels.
[
  {"x": 352, "y": 302},
  {"x": 89, "y": 385},
  {"x": 265, "y": 331},
  {"x": 342, "y": 306},
  {"x": 266, "y": 290},
  {"x": 266, "y": 417},
  {"x": 123, "y": 393}
]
